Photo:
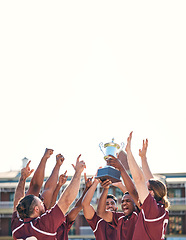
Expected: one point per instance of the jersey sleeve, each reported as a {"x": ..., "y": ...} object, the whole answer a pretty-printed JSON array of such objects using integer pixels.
[
  {"x": 94, "y": 221},
  {"x": 152, "y": 221},
  {"x": 51, "y": 219},
  {"x": 68, "y": 223},
  {"x": 151, "y": 209},
  {"x": 15, "y": 221},
  {"x": 116, "y": 217}
]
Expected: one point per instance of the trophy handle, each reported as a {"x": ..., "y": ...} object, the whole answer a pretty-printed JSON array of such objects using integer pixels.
[
  {"x": 122, "y": 146},
  {"x": 101, "y": 147}
]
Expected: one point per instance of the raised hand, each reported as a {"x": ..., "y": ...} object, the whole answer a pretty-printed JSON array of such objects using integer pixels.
[
  {"x": 48, "y": 152},
  {"x": 62, "y": 179},
  {"x": 143, "y": 151},
  {"x": 26, "y": 172},
  {"x": 115, "y": 162},
  {"x": 80, "y": 165},
  {"x": 117, "y": 184},
  {"x": 88, "y": 181},
  {"x": 128, "y": 147},
  {"x": 59, "y": 159},
  {"x": 105, "y": 184}
]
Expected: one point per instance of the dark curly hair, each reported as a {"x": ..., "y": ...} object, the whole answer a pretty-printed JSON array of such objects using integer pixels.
[{"x": 113, "y": 197}]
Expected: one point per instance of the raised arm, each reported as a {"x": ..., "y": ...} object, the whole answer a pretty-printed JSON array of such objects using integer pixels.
[
  {"x": 136, "y": 172},
  {"x": 20, "y": 190},
  {"x": 78, "y": 206},
  {"x": 71, "y": 191},
  {"x": 145, "y": 166},
  {"x": 62, "y": 180},
  {"x": 120, "y": 185},
  {"x": 38, "y": 178},
  {"x": 86, "y": 202},
  {"x": 101, "y": 209},
  {"x": 51, "y": 182},
  {"x": 115, "y": 162}
]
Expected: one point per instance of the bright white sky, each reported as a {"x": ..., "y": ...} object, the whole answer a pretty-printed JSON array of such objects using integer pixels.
[{"x": 77, "y": 73}]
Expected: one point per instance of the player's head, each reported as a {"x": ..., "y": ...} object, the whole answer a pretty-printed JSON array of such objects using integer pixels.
[
  {"x": 30, "y": 206},
  {"x": 111, "y": 203},
  {"x": 159, "y": 191},
  {"x": 127, "y": 204}
]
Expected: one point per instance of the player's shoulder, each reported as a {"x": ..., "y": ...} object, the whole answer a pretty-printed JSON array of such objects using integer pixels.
[
  {"x": 118, "y": 216},
  {"x": 150, "y": 202},
  {"x": 16, "y": 220},
  {"x": 15, "y": 215},
  {"x": 95, "y": 218}
]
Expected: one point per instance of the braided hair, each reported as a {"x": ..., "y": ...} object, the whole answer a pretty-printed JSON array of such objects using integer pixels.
[{"x": 26, "y": 206}]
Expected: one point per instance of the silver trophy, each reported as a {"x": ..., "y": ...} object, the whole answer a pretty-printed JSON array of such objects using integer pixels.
[{"x": 109, "y": 172}]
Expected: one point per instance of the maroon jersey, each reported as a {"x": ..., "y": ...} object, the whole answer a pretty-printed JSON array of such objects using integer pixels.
[
  {"x": 63, "y": 230},
  {"x": 125, "y": 224},
  {"x": 43, "y": 227},
  {"x": 152, "y": 221},
  {"x": 102, "y": 229}
]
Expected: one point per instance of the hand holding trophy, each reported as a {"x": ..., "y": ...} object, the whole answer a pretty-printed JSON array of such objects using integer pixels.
[{"x": 109, "y": 172}]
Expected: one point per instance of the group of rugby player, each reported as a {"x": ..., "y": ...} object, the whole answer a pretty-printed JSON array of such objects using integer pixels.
[{"x": 144, "y": 203}]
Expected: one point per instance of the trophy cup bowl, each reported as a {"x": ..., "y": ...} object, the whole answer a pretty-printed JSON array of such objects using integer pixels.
[{"x": 109, "y": 172}]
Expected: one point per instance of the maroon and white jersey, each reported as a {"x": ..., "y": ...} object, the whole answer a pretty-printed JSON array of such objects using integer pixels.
[
  {"x": 102, "y": 229},
  {"x": 63, "y": 230},
  {"x": 125, "y": 224},
  {"x": 152, "y": 221},
  {"x": 43, "y": 227}
]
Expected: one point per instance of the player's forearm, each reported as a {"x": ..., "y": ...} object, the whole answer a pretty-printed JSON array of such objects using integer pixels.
[
  {"x": 79, "y": 202},
  {"x": 77, "y": 208},
  {"x": 55, "y": 194},
  {"x": 90, "y": 193},
  {"x": 20, "y": 191},
  {"x": 135, "y": 170},
  {"x": 38, "y": 177},
  {"x": 52, "y": 180},
  {"x": 129, "y": 185},
  {"x": 121, "y": 187},
  {"x": 147, "y": 172},
  {"x": 102, "y": 203},
  {"x": 70, "y": 193},
  {"x": 139, "y": 179}
]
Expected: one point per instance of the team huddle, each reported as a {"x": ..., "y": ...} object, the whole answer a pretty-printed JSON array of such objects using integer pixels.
[{"x": 37, "y": 215}]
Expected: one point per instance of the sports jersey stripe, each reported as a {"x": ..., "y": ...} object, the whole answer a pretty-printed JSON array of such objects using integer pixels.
[
  {"x": 135, "y": 213},
  {"x": 97, "y": 225},
  {"x": 124, "y": 216},
  {"x": 120, "y": 217},
  {"x": 19, "y": 217},
  {"x": 40, "y": 231},
  {"x": 17, "y": 228},
  {"x": 152, "y": 220}
]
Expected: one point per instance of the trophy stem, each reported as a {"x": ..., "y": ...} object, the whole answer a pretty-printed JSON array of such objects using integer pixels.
[{"x": 101, "y": 147}]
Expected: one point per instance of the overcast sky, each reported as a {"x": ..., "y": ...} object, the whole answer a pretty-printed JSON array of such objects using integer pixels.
[{"x": 77, "y": 73}]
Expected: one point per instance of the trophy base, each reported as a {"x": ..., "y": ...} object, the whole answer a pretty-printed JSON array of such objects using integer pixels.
[{"x": 110, "y": 173}]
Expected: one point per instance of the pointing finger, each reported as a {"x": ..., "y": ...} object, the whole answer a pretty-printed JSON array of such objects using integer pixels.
[
  {"x": 85, "y": 176},
  {"x": 78, "y": 158},
  {"x": 28, "y": 163}
]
